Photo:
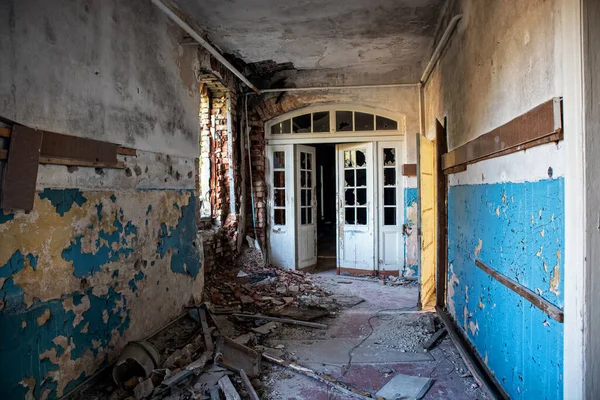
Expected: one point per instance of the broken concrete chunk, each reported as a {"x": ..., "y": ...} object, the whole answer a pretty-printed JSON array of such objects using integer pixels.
[
  {"x": 143, "y": 389},
  {"x": 246, "y": 299},
  {"x": 266, "y": 328},
  {"x": 244, "y": 339},
  {"x": 242, "y": 274},
  {"x": 173, "y": 359}
]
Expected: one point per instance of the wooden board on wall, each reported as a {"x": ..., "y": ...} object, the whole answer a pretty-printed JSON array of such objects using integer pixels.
[
  {"x": 543, "y": 124},
  {"x": 409, "y": 169},
  {"x": 76, "y": 148},
  {"x": 18, "y": 188}
]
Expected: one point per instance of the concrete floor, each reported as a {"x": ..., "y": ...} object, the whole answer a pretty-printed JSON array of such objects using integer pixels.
[{"x": 393, "y": 346}]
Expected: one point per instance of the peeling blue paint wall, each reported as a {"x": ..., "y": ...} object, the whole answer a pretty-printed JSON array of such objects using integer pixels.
[
  {"x": 411, "y": 267},
  {"x": 518, "y": 230},
  {"x": 76, "y": 276}
]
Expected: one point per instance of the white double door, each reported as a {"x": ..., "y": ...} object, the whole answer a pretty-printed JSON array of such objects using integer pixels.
[
  {"x": 292, "y": 206},
  {"x": 369, "y": 205}
]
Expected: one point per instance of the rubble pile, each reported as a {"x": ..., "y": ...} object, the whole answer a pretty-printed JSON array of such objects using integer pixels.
[{"x": 249, "y": 286}]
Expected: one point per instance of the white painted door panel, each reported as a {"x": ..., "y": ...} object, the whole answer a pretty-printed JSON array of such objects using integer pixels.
[
  {"x": 281, "y": 204},
  {"x": 306, "y": 206},
  {"x": 391, "y": 206},
  {"x": 355, "y": 221}
]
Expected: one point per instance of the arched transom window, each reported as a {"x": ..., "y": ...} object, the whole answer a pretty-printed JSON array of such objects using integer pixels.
[{"x": 319, "y": 120}]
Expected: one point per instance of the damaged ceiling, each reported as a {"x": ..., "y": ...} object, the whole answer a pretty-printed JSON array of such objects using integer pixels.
[{"x": 391, "y": 37}]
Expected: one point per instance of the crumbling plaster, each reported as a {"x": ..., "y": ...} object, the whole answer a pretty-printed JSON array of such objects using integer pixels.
[
  {"x": 378, "y": 37},
  {"x": 508, "y": 212},
  {"x": 112, "y": 71}
]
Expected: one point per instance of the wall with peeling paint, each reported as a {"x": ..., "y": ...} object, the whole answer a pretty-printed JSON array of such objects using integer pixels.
[
  {"x": 107, "y": 255},
  {"x": 411, "y": 248},
  {"x": 507, "y": 212}
]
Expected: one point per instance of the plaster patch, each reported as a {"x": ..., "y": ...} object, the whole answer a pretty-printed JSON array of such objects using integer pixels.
[
  {"x": 555, "y": 280},
  {"x": 42, "y": 319},
  {"x": 477, "y": 249}
]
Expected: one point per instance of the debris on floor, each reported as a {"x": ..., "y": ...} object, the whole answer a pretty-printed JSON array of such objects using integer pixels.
[{"x": 268, "y": 320}]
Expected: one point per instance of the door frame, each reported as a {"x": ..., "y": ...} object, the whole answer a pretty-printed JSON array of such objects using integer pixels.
[{"x": 392, "y": 136}]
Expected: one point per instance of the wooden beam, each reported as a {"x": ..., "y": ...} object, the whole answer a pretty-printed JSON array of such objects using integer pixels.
[
  {"x": 409, "y": 170},
  {"x": 550, "y": 309},
  {"x": 5, "y": 132},
  {"x": 56, "y": 145},
  {"x": 543, "y": 124},
  {"x": 126, "y": 151},
  {"x": 18, "y": 188}
]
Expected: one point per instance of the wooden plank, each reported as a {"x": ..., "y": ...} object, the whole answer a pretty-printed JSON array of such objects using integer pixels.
[
  {"x": 538, "y": 123},
  {"x": 436, "y": 337},
  {"x": 228, "y": 389},
  {"x": 3, "y": 154},
  {"x": 409, "y": 169},
  {"x": 56, "y": 145},
  {"x": 441, "y": 208},
  {"x": 248, "y": 385},
  {"x": 126, "y": 151},
  {"x": 456, "y": 169},
  {"x": 5, "y": 132},
  {"x": 550, "y": 309},
  {"x": 80, "y": 163},
  {"x": 18, "y": 188},
  {"x": 283, "y": 320},
  {"x": 473, "y": 362}
]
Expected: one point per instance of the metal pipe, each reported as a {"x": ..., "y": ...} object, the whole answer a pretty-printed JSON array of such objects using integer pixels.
[
  {"x": 302, "y": 89},
  {"x": 440, "y": 47},
  {"x": 172, "y": 13}
]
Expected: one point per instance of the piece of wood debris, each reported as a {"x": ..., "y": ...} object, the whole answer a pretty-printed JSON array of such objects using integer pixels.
[
  {"x": 228, "y": 389},
  {"x": 433, "y": 340},
  {"x": 282, "y": 320},
  {"x": 248, "y": 385},
  {"x": 326, "y": 379},
  {"x": 198, "y": 364}
]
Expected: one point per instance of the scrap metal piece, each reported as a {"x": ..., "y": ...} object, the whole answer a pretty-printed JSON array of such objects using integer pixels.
[
  {"x": 228, "y": 389},
  {"x": 433, "y": 340},
  {"x": 326, "y": 379},
  {"x": 282, "y": 320},
  {"x": 237, "y": 357},
  {"x": 199, "y": 314}
]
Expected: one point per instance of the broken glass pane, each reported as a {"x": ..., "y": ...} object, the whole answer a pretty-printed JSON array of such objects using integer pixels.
[
  {"x": 301, "y": 124},
  {"x": 308, "y": 161},
  {"x": 302, "y": 160},
  {"x": 321, "y": 121},
  {"x": 348, "y": 159},
  {"x": 364, "y": 122},
  {"x": 361, "y": 177},
  {"x": 343, "y": 120},
  {"x": 280, "y": 197},
  {"x": 279, "y": 216},
  {"x": 385, "y": 124},
  {"x": 286, "y": 126},
  {"x": 389, "y": 196},
  {"x": 303, "y": 179},
  {"x": 389, "y": 157},
  {"x": 361, "y": 159},
  {"x": 389, "y": 216},
  {"x": 361, "y": 197},
  {"x": 279, "y": 159},
  {"x": 275, "y": 129},
  {"x": 361, "y": 216},
  {"x": 279, "y": 179},
  {"x": 350, "y": 197},
  {"x": 349, "y": 177},
  {"x": 389, "y": 176},
  {"x": 350, "y": 220},
  {"x": 303, "y": 216}
]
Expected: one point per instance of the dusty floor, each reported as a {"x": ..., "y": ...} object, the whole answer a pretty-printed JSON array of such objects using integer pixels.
[
  {"x": 373, "y": 333},
  {"x": 383, "y": 336}
]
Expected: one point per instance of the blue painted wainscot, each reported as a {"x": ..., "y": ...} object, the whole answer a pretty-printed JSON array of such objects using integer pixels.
[
  {"x": 84, "y": 273},
  {"x": 517, "y": 229}
]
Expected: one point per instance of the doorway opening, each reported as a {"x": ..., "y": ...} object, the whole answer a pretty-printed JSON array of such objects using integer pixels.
[{"x": 326, "y": 216}]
